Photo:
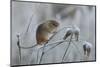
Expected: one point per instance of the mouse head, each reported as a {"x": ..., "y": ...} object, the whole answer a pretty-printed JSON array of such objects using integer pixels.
[{"x": 53, "y": 23}]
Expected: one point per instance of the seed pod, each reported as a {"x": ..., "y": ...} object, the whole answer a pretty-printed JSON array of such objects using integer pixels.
[
  {"x": 18, "y": 42},
  {"x": 87, "y": 48},
  {"x": 68, "y": 33},
  {"x": 76, "y": 32}
]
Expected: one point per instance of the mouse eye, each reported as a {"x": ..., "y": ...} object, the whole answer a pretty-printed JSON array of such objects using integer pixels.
[{"x": 55, "y": 24}]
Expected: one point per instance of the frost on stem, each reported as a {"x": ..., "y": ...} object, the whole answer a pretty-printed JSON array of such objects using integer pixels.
[
  {"x": 18, "y": 44},
  {"x": 74, "y": 30},
  {"x": 68, "y": 33}
]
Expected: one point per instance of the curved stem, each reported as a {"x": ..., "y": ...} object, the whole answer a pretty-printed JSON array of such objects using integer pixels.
[
  {"x": 29, "y": 23},
  {"x": 57, "y": 43},
  {"x": 18, "y": 44},
  {"x": 28, "y": 47},
  {"x": 67, "y": 48},
  {"x": 77, "y": 48},
  {"x": 44, "y": 48}
]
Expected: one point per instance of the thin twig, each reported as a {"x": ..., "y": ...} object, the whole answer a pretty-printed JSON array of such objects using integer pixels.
[
  {"x": 20, "y": 54},
  {"x": 57, "y": 43},
  {"x": 67, "y": 48},
  {"x": 77, "y": 48},
  {"x": 29, "y": 22},
  {"x": 18, "y": 44},
  {"x": 37, "y": 55},
  {"x": 28, "y": 47},
  {"x": 44, "y": 47},
  {"x": 51, "y": 47}
]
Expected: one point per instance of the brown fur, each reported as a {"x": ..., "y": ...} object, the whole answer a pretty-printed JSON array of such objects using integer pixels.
[{"x": 44, "y": 30}]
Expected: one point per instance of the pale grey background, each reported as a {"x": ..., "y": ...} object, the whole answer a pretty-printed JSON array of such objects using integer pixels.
[{"x": 82, "y": 16}]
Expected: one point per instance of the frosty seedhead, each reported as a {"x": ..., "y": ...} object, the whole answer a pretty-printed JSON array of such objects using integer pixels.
[
  {"x": 18, "y": 34},
  {"x": 76, "y": 32},
  {"x": 68, "y": 33},
  {"x": 87, "y": 48},
  {"x": 76, "y": 28}
]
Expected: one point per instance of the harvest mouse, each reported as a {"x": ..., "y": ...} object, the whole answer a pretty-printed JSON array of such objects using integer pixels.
[{"x": 45, "y": 30}]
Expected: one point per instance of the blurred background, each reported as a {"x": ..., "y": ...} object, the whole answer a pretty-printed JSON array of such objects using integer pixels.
[{"x": 66, "y": 15}]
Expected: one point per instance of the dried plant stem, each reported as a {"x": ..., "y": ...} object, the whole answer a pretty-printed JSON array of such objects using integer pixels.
[
  {"x": 67, "y": 47},
  {"x": 44, "y": 48},
  {"x": 57, "y": 43},
  {"x": 28, "y": 47},
  {"x": 37, "y": 55},
  {"x": 77, "y": 48},
  {"x": 20, "y": 54},
  {"x": 18, "y": 44},
  {"x": 29, "y": 22}
]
